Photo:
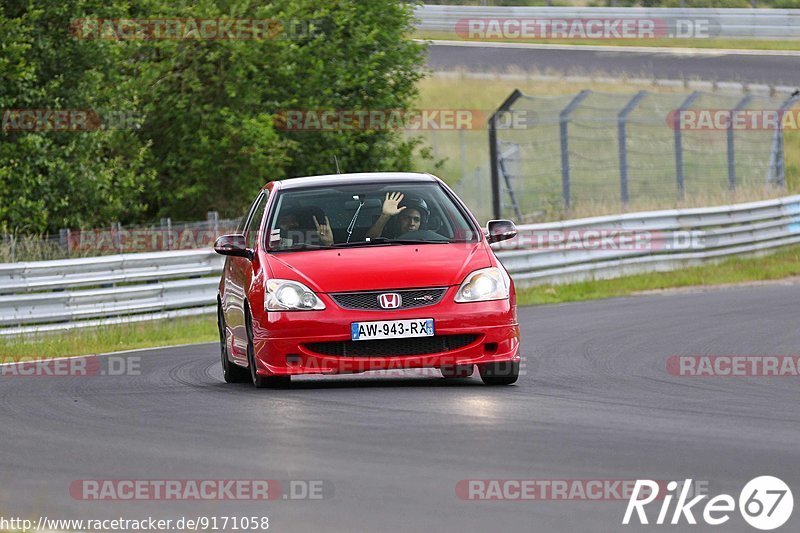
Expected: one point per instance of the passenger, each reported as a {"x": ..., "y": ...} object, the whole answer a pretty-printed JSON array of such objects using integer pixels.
[{"x": 300, "y": 225}]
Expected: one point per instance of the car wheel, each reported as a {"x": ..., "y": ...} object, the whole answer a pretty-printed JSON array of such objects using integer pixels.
[
  {"x": 457, "y": 371},
  {"x": 231, "y": 372},
  {"x": 260, "y": 382},
  {"x": 502, "y": 373}
]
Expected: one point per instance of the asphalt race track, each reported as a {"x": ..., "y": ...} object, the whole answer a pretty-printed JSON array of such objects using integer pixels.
[
  {"x": 713, "y": 66},
  {"x": 596, "y": 403}
]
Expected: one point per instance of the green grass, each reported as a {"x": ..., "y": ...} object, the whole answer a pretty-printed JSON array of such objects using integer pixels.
[
  {"x": 779, "y": 265},
  {"x": 110, "y": 338},
  {"x": 737, "y": 44}
]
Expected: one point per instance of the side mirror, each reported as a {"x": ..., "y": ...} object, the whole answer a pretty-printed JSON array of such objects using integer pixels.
[
  {"x": 500, "y": 230},
  {"x": 233, "y": 244}
]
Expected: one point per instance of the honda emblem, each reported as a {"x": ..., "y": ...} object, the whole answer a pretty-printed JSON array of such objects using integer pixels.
[{"x": 390, "y": 300}]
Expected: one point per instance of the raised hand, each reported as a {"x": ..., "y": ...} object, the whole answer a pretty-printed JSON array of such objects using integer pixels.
[
  {"x": 324, "y": 230},
  {"x": 390, "y": 208}
]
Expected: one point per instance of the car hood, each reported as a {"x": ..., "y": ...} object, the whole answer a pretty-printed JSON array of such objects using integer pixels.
[{"x": 381, "y": 267}]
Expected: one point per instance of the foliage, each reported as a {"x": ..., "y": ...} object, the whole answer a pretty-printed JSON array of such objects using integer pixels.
[{"x": 204, "y": 136}]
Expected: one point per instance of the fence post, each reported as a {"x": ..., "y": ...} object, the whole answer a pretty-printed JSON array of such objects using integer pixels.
[
  {"x": 476, "y": 176},
  {"x": 679, "y": 143},
  {"x": 213, "y": 219},
  {"x": 116, "y": 229},
  {"x": 493, "y": 152},
  {"x": 166, "y": 228},
  {"x": 622, "y": 138},
  {"x": 731, "y": 145},
  {"x": 462, "y": 148},
  {"x": 507, "y": 178},
  {"x": 777, "y": 168},
  {"x": 64, "y": 240},
  {"x": 563, "y": 120}
]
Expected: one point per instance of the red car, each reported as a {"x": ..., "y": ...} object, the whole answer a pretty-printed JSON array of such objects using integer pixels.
[{"x": 351, "y": 273}]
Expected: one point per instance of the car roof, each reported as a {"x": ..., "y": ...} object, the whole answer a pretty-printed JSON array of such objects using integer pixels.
[{"x": 362, "y": 177}]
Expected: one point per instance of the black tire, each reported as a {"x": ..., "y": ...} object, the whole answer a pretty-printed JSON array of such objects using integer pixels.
[
  {"x": 457, "y": 371},
  {"x": 260, "y": 382},
  {"x": 231, "y": 372},
  {"x": 502, "y": 373}
]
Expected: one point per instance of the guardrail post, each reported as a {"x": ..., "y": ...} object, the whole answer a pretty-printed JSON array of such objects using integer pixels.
[
  {"x": 563, "y": 121},
  {"x": 731, "y": 147},
  {"x": 679, "y": 143},
  {"x": 622, "y": 138},
  {"x": 493, "y": 152}
]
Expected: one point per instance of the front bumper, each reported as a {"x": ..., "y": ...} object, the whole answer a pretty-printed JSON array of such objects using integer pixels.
[{"x": 282, "y": 339}]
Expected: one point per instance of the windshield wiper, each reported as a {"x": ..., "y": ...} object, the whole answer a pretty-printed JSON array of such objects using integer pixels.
[
  {"x": 376, "y": 240},
  {"x": 421, "y": 241},
  {"x": 385, "y": 240},
  {"x": 300, "y": 246},
  {"x": 352, "y": 224}
]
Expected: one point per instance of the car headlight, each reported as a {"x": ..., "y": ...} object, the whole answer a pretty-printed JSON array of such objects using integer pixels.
[
  {"x": 288, "y": 295},
  {"x": 485, "y": 284}
]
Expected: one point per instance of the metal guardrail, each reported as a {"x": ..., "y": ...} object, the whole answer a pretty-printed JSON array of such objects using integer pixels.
[
  {"x": 55, "y": 295},
  {"x": 58, "y": 295},
  {"x": 573, "y": 250},
  {"x": 724, "y": 23}
]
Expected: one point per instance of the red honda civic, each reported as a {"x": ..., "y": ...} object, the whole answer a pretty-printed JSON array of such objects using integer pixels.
[{"x": 351, "y": 273}]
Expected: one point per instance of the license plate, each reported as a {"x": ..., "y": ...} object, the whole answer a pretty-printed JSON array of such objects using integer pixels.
[{"x": 391, "y": 329}]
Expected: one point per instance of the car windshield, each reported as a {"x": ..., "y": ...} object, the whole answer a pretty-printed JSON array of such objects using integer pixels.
[{"x": 376, "y": 214}]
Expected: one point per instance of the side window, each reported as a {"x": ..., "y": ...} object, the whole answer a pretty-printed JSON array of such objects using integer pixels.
[{"x": 256, "y": 215}]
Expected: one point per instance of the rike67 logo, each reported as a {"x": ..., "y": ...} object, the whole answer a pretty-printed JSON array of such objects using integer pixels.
[{"x": 766, "y": 503}]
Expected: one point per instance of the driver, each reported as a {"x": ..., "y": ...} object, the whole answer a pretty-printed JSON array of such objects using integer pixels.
[{"x": 411, "y": 214}]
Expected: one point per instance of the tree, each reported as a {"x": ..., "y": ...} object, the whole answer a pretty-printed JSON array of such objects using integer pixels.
[
  {"x": 205, "y": 136},
  {"x": 51, "y": 179}
]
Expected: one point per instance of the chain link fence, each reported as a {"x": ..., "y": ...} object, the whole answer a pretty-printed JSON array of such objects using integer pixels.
[{"x": 634, "y": 149}]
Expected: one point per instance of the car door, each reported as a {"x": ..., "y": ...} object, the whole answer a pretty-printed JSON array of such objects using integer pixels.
[{"x": 239, "y": 272}]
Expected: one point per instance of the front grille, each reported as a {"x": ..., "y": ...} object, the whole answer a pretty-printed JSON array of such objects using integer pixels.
[
  {"x": 393, "y": 347},
  {"x": 369, "y": 300}
]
